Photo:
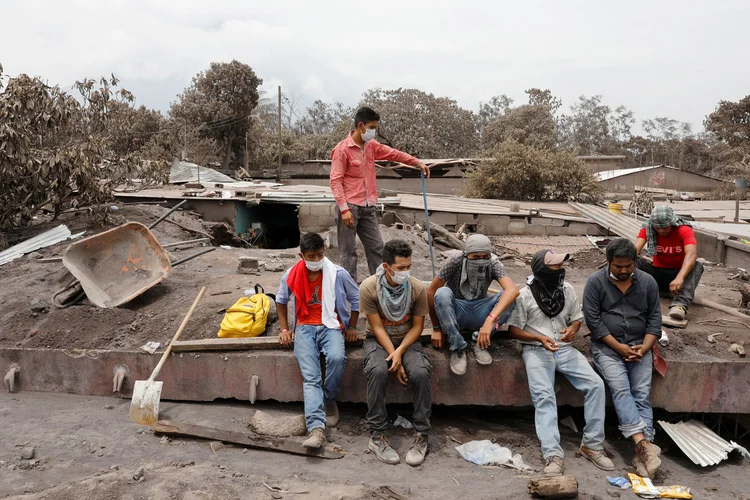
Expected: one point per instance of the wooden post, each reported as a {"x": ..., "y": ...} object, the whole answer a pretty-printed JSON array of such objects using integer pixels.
[{"x": 278, "y": 171}]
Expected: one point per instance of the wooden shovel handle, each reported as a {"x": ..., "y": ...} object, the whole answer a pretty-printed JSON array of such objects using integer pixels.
[{"x": 176, "y": 335}]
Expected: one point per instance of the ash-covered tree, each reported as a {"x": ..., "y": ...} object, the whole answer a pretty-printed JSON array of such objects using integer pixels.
[
  {"x": 323, "y": 118},
  {"x": 219, "y": 103},
  {"x": 531, "y": 125},
  {"x": 59, "y": 149},
  {"x": 422, "y": 124}
]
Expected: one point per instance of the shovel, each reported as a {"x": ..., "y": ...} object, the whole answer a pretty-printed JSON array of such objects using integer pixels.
[{"x": 144, "y": 406}]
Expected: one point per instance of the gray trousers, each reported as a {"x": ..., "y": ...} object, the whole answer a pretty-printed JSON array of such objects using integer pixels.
[
  {"x": 418, "y": 369},
  {"x": 664, "y": 276},
  {"x": 366, "y": 226}
]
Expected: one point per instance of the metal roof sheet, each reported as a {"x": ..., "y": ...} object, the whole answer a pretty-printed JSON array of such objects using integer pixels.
[
  {"x": 184, "y": 171},
  {"x": 701, "y": 445},
  {"x": 621, "y": 225},
  {"x": 611, "y": 174},
  {"x": 46, "y": 239},
  {"x": 529, "y": 245}
]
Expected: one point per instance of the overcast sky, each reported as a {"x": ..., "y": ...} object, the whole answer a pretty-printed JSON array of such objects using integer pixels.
[{"x": 674, "y": 58}]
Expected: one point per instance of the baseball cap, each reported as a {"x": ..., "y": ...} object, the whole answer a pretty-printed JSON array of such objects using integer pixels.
[{"x": 552, "y": 259}]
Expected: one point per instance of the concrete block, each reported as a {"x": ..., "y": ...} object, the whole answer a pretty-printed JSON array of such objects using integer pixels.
[
  {"x": 494, "y": 219},
  {"x": 541, "y": 221},
  {"x": 578, "y": 229},
  {"x": 321, "y": 210},
  {"x": 517, "y": 227},
  {"x": 556, "y": 231},
  {"x": 304, "y": 210},
  {"x": 466, "y": 218},
  {"x": 247, "y": 265},
  {"x": 444, "y": 218},
  {"x": 558, "y": 222},
  {"x": 308, "y": 222},
  {"x": 537, "y": 230},
  {"x": 492, "y": 229}
]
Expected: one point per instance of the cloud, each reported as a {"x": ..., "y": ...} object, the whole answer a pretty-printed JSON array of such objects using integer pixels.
[{"x": 670, "y": 58}]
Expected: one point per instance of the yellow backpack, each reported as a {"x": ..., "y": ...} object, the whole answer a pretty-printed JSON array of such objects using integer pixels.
[{"x": 248, "y": 316}]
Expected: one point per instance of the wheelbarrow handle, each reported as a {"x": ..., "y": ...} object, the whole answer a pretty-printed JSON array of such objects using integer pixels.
[
  {"x": 190, "y": 257},
  {"x": 171, "y": 211}
]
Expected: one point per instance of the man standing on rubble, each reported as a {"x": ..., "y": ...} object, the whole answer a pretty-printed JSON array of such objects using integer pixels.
[
  {"x": 671, "y": 242},
  {"x": 458, "y": 301},
  {"x": 324, "y": 294},
  {"x": 546, "y": 320},
  {"x": 395, "y": 304},
  {"x": 622, "y": 311},
  {"x": 354, "y": 188}
]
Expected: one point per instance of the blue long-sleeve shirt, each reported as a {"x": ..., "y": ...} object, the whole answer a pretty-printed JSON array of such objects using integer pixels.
[
  {"x": 347, "y": 295},
  {"x": 628, "y": 316}
]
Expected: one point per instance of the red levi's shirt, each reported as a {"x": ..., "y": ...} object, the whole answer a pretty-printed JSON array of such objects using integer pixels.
[
  {"x": 315, "y": 306},
  {"x": 670, "y": 250}
]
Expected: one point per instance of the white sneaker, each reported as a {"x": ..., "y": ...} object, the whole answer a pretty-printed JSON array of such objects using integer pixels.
[{"x": 482, "y": 356}]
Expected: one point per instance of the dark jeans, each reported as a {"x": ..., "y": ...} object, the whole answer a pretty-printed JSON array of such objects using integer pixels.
[
  {"x": 418, "y": 369},
  {"x": 664, "y": 276},
  {"x": 366, "y": 227}
]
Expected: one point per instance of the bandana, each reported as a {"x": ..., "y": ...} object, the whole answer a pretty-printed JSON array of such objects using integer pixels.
[
  {"x": 661, "y": 217},
  {"x": 476, "y": 274},
  {"x": 547, "y": 286},
  {"x": 395, "y": 302}
]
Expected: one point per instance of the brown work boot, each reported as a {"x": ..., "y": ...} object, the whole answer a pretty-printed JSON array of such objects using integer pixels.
[
  {"x": 554, "y": 466},
  {"x": 316, "y": 439},
  {"x": 640, "y": 469},
  {"x": 677, "y": 312},
  {"x": 648, "y": 453},
  {"x": 380, "y": 446},
  {"x": 332, "y": 415},
  {"x": 596, "y": 457}
]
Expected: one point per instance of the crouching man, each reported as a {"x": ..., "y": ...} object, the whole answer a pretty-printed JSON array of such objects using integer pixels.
[
  {"x": 458, "y": 301},
  {"x": 546, "y": 320},
  {"x": 395, "y": 305},
  {"x": 323, "y": 296},
  {"x": 622, "y": 310}
]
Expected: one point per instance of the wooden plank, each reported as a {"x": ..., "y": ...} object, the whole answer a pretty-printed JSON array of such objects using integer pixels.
[
  {"x": 172, "y": 428},
  {"x": 251, "y": 343}
]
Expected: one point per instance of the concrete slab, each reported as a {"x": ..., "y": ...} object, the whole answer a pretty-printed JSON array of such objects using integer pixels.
[{"x": 714, "y": 386}]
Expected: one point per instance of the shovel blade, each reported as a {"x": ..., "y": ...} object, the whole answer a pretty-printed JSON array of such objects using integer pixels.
[{"x": 144, "y": 406}]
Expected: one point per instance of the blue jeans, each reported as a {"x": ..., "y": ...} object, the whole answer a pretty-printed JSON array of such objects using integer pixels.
[
  {"x": 541, "y": 365},
  {"x": 630, "y": 386},
  {"x": 310, "y": 341},
  {"x": 456, "y": 315}
]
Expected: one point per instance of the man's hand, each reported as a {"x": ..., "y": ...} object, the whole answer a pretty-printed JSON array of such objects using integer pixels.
[
  {"x": 395, "y": 359},
  {"x": 549, "y": 344},
  {"x": 347, "y": 218},
  {"x": 401, "y": 376},
  {"x": 286, "y": 338},
  {"x": 676, "y": 285},
  {"x": 483, "y": 341},
  {"x": 628, "y": 353},
  {"x": 425, "y": 169},
  {"x": 640, "y": 349},
  {"x": 437, "y": 339},
  {"x": 351, "y": 335},
  {"x": 568, "y": 334}
]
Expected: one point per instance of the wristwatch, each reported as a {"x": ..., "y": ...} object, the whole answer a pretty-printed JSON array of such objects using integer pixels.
[{"x": 437, "y": 327}]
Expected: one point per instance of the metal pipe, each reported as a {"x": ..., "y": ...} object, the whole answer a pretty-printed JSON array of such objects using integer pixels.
[
  {"x": 427, "y": 222},
  {"x": 170, "y": 212},
  {"x": 191, "y": 257},
  {"x": 181, "y": 243}
]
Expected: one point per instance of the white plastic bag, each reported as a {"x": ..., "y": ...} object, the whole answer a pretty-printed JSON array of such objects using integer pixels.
[{"x": 486, "y": 452}]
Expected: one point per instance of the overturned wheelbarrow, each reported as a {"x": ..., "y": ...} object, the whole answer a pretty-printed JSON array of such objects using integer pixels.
[{"x": 116, "y": 266}]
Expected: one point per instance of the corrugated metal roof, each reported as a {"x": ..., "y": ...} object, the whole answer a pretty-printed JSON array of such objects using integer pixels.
[
  {"x": 739, "y": 230},
  {"x": 184, "y": 172},
  {"x": 621, "y": 225},
  {"x": 301, "y": 197},
  {"x": 601, "y": 157},
  {"x": 701, "y": 445},
  {"x": 529, "y": 245},
  {"x": 46, "y": 239},
  {"x": 611, "y": 174}
]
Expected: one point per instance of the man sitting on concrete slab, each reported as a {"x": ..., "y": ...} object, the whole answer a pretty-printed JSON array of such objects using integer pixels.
[
  {"x": 622, "y": 311},
  {"x": 671, "y": 242},
  {"x": 546, "y": 320},
  {"x": 353, "y": 182},
  {"x": 458, "y": 301},
  {"x": 395, "y": 304},
  {"x": 324, "y": 294}
]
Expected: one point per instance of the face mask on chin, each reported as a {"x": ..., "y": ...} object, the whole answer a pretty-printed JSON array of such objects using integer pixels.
[{"x": 615, "y": 278}]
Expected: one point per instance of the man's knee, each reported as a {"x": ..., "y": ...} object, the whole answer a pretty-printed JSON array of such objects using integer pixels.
[
  {"x": 419, "y": 376},
  {"x": 377, "y": 372},
  {"x": 444, "y": 297},
  {"x": 336, "y": 358}
]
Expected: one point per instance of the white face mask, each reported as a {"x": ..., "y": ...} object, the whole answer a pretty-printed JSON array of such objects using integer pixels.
[
  {"x": 615, "y": 278},
  {"x": 314, "y": 266},
  {"x": 400, "y": 277},
  {"x": 369, "y": 134}
]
